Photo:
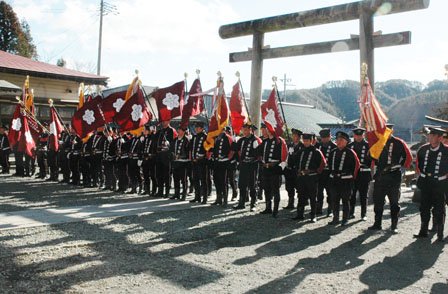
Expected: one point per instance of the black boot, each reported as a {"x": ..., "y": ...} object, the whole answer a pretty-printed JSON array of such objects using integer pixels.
[
  {"x": 440, "y": 228},
  {"x": 377, "y": 224},
  {"x": 423, "y": 231},
  {"x": 300, "y": 211},
  {"x": 290, "y": 203},
  {"x": 393, "y": 227}
]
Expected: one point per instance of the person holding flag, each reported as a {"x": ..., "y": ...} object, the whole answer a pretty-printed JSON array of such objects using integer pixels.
[
  {"x": 4, "y": 149},
  {"x": 198, "y": 156},
  {"x": 273, "y": 153},
  {"x": 179, "y": 151},
  {"x": 56, "y": 128}
]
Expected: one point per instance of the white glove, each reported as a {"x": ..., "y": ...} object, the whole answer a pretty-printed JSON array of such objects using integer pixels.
[
  {"x": 139, "y": 162},
  {"x": 255, "y": 144},
  {"x": 291, "y": 150},
  {"x": 142, "y": 139},
  {"x": 283, "y": 165},
  {"x": 109, "y": 139}
]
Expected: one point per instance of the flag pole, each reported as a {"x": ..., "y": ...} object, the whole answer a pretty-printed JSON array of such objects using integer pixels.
[
  {"x": 274, "y": 79},
  {"x": 205, "y": 104},
  {"x": 50, "y": 101},
  {"x": 242, "y": 94},
  {"x": 28, "y": 113},
  {"x": 146, "y": 95}
]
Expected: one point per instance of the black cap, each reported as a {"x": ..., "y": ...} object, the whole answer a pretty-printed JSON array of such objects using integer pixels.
[
  {"x": 390, "y": 125},
  {"x": 228, "y": 129},
  {"x": 296, "y": 131},
  {"x": 344, "y": 135},
  {"x": 324, "y": 133},
  {"x": 180, "y": 127},
  {"x": 307, "y": 136},
  {"x": 263, "y": 126},
  {"x": 250, "y": 126},
  {"x": 436, "y": 131},
  {"x": 358, "y": 131},
  {"x": 199, "y": 124}
]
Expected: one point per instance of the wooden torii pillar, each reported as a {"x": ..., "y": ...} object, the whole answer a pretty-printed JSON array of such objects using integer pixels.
[{"x": 366, "y": 42}]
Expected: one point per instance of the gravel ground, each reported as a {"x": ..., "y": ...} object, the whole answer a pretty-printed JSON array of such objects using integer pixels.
[{"x": 208, "y": 249}]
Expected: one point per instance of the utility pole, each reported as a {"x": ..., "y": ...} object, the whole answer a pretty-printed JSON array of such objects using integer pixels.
[
  {"x": 285, "y": 83},
  {"x": 105, "y": 9}
]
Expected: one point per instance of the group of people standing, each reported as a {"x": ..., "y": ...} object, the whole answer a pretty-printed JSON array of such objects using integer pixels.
[{"x": 158, "y": 159}]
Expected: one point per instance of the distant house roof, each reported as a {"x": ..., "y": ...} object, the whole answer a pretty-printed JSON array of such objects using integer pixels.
[
  {"x": 308, "y": 118},
  {"x": 15, "y": 64},
  {"x": 7, "y": 86}
]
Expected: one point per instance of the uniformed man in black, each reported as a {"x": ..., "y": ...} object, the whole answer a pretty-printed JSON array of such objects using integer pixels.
[
  {"x": 122, "y": 156},
  {"x": 394, "y": 156},
  {"x": 52, "y": 158},
  {"x": 148, "y": 152},
  {"x": 246, "y": 148},
  {"x": 180, "y": 150},
  {"x": 64, "y": 150},
  {"x": 221, "y": 154},
  {"x": 362, "y": 181},
  {"x": 4, "y": 149},
  {"x": 96, "y": 172},
  {"x": 264, "y": 136},
  {"x": 432, "y": 166},
  {"x": 308, "y": 162},
  {"x": 109, "y": 158},
  {"x": 42, "y": 154},
  {"x": 290, "y": 172},
  {"x": 74, "y": 157},
  {"x": 199, "y": 163},
  {"x": 134, "y": 164},
  {"x": 164, "y": 138},
  {"x": 343, "y": 164},
  {"x": 325, "y": 146},
  {"x": 231, "y": 167},
  {"x": 273, "y": 153},
  {"x": 86, "y": 162}
]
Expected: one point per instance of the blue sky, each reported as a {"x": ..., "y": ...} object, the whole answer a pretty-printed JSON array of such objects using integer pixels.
[{"x": 165, "y": 39}]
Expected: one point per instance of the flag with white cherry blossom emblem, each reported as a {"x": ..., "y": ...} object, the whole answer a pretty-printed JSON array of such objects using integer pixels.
[
  {"x": 134, "y": 114},
  {"x": 15, "y": 132},
  {"x": 56, "y": 129},
  {"x": 26, "y": 143},
  {"x": 88, "y": 118},
  {"x": 271, "y": 115},
  {"x": 112, "y": 104},
  {"x": 170, "y": 101}
]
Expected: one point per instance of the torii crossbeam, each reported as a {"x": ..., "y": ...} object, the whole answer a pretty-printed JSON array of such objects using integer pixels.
[{"x": 366, "y": 42}]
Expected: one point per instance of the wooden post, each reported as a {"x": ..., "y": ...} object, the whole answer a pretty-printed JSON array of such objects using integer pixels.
[
  {"x": 366, "y": 44},
  {"x": 256, "y": 77}
]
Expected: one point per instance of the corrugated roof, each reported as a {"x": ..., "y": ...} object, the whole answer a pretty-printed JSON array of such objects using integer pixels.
[
  {"x": 307, "y": 118},
  {"x": 15, "y": 64}
]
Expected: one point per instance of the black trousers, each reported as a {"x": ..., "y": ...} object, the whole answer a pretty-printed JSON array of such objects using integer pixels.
[
  {"x": 52, "y": 160},
  {"x": 74, "y": 168},
  {"x": 361, "y": 185},
  {"x": 290, "y": 184},
  {"x": 271, "y": 183},
  {"x": 247, "y": 183},
  {"x": 324, "y": 178},
  {"x": 341, "y": 189},
  {"x": 231, "y": 180},
  {"x": 110, "y": 180},
  {"x": 387, "y": 185},
  {"x": 95, "y": 169},
  {"x": 149, "y": 175},
  {"x": 135, "y": 178},
  {"x": 433, "y": 197},
  {"x": 20, "y": 169},
  {"x": 200, "y": 179},
  {"x": 163, "y": 173},
  {"x": 4, "y": 160},
  {"x": 41, "y": 157},
  {"x": 121, "y": 169},
  {"x": 30, "y": 165},
  {"x": 180, "y": 178},
  {"x": 63, "y": 163},
  {"x": 307, "y": 192},
  {"x": 220, "y": 169}
]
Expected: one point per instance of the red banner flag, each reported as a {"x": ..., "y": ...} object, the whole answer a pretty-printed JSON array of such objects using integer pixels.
[
  {"x": 271, "y": 115},
  {"x": 170, "y": 101},
  {"x": 56, "y": 128},
  {"x": 194, "y": 104},
  {"x": 26, "y": 143},
  {"x": 134, "y": 114},
  {"x": 15, "y": 132},
  {"x": 112, "y": 104},
  {"x": 88, "y": 118},
  {"x": 238, "y": 111},
  {"x": 219, "y": 119},
  {"x": 375, "y": 120}
]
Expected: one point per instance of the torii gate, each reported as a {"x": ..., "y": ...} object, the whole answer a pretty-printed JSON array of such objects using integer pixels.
[{"x": 366, "y": 42}]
